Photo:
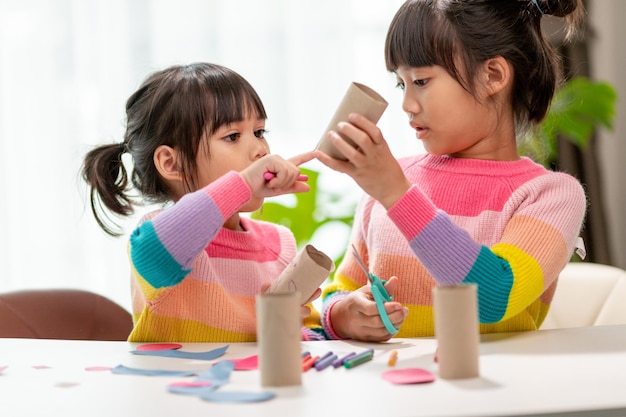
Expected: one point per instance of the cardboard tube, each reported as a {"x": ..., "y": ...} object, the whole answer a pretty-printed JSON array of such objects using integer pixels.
[
  {"x": 358, "y": 99},
  {"x": 304, "y": 274},
  {"x": 278, "y": 336},
  {"x": 457, "y": 331}
]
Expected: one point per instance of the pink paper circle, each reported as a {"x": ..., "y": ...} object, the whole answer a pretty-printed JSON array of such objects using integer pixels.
[
  {"x": 160, "y": 346},
  {"x": 408, "y": 376}
]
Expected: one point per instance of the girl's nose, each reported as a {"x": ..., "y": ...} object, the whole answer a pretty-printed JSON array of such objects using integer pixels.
[
  {"x": 260, "y": 149},
  {"x": 409, "y": 105}
]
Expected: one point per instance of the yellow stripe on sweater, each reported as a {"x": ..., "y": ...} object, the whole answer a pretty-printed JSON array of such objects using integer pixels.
[
  {"x": 527, "y": 278},
  {"x": 170, "y": 329}
]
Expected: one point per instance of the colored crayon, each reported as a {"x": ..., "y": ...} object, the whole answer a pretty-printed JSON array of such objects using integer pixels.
[
  {"x": 322, "y": 364},
  {"x": 360, "y": 358},
  {"x": 393, "y": 358},
  {"x": 338, "y": 362},
  {"x": 269, "y": 175},
  {"x": 327, "y": 354},
  {"x": 308, "y": 363}
]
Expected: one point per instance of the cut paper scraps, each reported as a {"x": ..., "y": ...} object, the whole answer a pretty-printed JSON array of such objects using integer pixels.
[
  {"x": 175, "y": 353},
  {"x": 207, "y": 383},
  {"x": 188, "y": 384},
  {"x": 208, "y": 380},
  {"x": 160, "y": 346},
  {"x": 246, "y": 364},
  {"x": 2, "y": 368},
  {"x": 408, "y": 376},
  {"x": 125, "y": 370},
  {"x": 97, "y": 368}
]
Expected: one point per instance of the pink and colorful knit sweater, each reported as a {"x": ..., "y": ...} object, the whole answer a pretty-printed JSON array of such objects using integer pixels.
[
  {"x": 195, "y": 281},
  {"x": 508, "y": 226}
]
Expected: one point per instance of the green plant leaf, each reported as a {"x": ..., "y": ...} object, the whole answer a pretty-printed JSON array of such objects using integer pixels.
[
  {"x": 311, "y": 211},
  {"x": 577, "y": 109}
]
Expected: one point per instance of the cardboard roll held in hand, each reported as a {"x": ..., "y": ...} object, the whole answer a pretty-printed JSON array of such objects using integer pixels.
[
  {"x": 304, "y": 274},
  {"x": 359, "y": 99}
]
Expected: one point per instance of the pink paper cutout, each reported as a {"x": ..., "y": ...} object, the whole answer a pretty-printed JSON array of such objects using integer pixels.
[
  {"x": 160, "y": 346},
  {"x": 408, "y": 376},
  {"x": 175, "y": 353},
  {"x": 250, "y": 363},
  {"x": 98, "y": 368},
  {"x": 41, "y": 367}
]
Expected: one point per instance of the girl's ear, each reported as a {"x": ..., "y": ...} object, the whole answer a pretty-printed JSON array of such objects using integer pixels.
[
  {"x": 497, "y": 75},
  {"x": 166, "y": 162}
]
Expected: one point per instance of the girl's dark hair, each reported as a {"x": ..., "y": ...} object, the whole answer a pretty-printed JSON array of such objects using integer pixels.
[
  {"x": 176, "y": 106},
  {"x": 459, "y": 35}
]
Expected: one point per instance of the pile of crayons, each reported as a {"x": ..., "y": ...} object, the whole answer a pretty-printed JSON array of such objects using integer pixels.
[{"x": 348, "y": 361}]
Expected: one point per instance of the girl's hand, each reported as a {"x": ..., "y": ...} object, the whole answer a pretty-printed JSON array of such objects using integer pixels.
[
  {"x": 356, "y": 316},
  {"x": 286, "y": 173},
  {"x": 371, "y": 163},
  {"x": 305, "y": 310}
]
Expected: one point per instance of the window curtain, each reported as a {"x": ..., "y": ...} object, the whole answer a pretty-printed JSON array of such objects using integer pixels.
[{"x": 68, "y": 66}]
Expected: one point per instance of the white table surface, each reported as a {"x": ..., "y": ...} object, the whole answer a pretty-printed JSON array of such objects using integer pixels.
[{"x": 578, "y": 371}]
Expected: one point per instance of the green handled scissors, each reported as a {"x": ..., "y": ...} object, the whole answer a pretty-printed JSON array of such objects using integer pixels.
[{"x": 379, "y": 292}]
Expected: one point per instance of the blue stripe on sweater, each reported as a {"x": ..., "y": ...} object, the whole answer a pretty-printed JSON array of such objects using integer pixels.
[
  {"x": 151, "y": 260},
  {"x": 491, "y": 304}
]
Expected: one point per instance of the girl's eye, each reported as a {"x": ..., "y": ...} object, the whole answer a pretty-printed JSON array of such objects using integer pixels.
[
  {"x": 260, "y": 133},
  {"x": 233, "y": 137},
  {"x": 420, "y": 83},
  {"x": 400, "y": 85}
]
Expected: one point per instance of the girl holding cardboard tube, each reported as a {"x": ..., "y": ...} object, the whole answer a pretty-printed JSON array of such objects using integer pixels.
[
  {"x": 476, "y": 76},
  {"x": 196, "y": 136}
]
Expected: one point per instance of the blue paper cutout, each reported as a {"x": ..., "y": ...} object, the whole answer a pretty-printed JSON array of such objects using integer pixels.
[
  {"x": 125, "y": 370},
  {"x": 205, "y": 356},
  {"x": 217, "y": 375},
  {"x": 190, "y": 390}
]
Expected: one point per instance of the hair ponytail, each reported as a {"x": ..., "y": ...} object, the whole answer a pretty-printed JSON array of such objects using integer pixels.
[{"x": 104, "y": 172}]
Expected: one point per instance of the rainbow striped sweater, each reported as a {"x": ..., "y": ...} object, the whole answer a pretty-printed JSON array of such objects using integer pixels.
[
  {"x": 195, "y": 281},
  {"x": 509, "y": 227}
]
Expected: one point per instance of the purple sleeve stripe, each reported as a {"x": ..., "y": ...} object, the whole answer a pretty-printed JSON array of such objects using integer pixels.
[
  {"x": 186, "y": 228},
  {"x": 442, "y": 240}
]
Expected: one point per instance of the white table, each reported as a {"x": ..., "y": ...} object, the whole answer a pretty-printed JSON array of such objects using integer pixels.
[{"x": 567, "y": 372}]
